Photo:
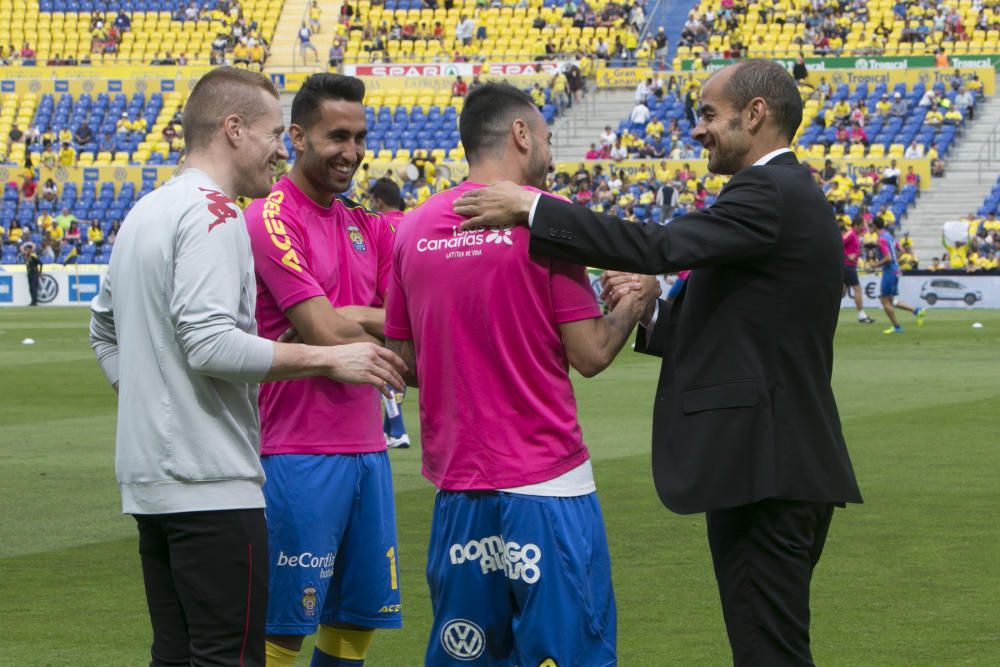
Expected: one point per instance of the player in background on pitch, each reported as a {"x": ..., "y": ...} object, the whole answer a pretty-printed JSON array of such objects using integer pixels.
[
  {"x": 386, "y": 198},
  {"x": 322, "y": 264},
  {"x": 850, "y": 235},
  {"x": 889, "y": 290},
  {"x": 518, "y": 562}
]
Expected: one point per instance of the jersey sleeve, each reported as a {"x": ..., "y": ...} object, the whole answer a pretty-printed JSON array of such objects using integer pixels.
[
  {"x": 883, "y": 247},
  {"x": 384, "y": 238},
  {"x": 397, "y": 317},
  {"x": 210, "y": 259},
  {"x": 279, "y": 260},
  {"x": 573, "y": 298}
]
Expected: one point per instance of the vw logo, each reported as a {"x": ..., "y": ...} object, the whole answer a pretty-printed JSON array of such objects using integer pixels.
[
  {"x": 48, "y": 288},
  {"x": 463, "y": 640}
]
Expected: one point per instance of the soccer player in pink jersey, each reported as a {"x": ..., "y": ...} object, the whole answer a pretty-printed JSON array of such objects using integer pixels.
[
  {"x": 518, "y": 562},
  {"x": 322, "y": 265},
  {"x": 385, "y": 198}
]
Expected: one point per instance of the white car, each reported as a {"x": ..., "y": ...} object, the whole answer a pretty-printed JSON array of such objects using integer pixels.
[{"x": 946, "y": 289}]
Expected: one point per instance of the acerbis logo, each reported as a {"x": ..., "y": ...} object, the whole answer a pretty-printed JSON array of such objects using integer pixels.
[
  {"x": 48, "y": 288},
  {"x": 494, "y": 554},
  {"x": 463, "y": 640}
]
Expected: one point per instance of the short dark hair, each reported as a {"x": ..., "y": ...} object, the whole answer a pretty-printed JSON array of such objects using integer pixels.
[
  {"x": 486, "y": 117},
  {"x": 386, "y": 190},
  {"x": 221, "y": 92},
  {"x": 771, "y": 81},
  {"x": 318, "y": 88}
]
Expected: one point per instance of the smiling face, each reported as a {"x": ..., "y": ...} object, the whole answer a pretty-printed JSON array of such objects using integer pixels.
[
  {"x": 332, "y": 148},
  {"x": 262, "y": 149},
  {"x": 720, "y": 128}
]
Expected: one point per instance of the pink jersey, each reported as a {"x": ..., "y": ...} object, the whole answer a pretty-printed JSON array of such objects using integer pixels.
[
  {"x": 302, "y": 250},
  {"x": 852, "y": 248},
  {"x": 496, "y": 404}
]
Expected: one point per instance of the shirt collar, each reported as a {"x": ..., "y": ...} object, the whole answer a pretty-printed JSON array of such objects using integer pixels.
[{"x": 770, "y": 156}]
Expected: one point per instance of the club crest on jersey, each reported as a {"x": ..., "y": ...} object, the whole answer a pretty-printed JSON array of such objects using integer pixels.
[
  {"x": 309, "y": 600},
  {"x": 357, "y": 240},
  {"x": 219, "y": 207}
]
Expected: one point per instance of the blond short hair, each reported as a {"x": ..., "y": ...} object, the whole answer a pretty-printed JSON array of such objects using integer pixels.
[{"x": 222, "y": 92}]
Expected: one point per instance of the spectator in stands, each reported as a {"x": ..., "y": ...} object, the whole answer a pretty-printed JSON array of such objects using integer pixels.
[
  {"x": 928, "y": 99},
  {"x": 122, "y": 22},
  {"x": 14, "y": 234},
  {"x": 28, "y": 187},
  {"x": 50, "y": 191},
  {"x": 858, "y": 134},
  {"x": 640, "y": 115},
  {"x": 84, "y": 135},
  {"x": 618, "y": 152},
  {"x": 594, "y": 153},
  {"x": 67, "y": 155},
  {"x": 241, "y": 52},
  {"x": 827, "y": 173},
  {"x": 884, "y": 106},
  {"x": 72, "y": 235},
  {"x": 459, "y": 88},
  {"x": 64, "y": 219},
  {"x": 465, "y": 30},
  {"x": 890, "y": 175},
  {"x": 952, "y": 116},
  {"x": 94, "y": 234},
  {"x": 914, "y": 150},
  {"x": 965, "y": 103},
  {"x": 940, "y": 58},
  {"x": 608, "y": 137},
  {"x": 305, "y": 43},
  {"x": 799, "y": 70},
  {"x": 934, "y": 117},
  {"x": 336, "y": 55},
  {"x": 937, "y": 164},
  {"x": 911, "y": 176},
  {"x": 900, "y": 109},
  {"x": 27, "y": 54}
]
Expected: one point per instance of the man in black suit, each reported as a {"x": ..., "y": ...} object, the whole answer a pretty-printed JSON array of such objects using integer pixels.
[{"x": 745, "y": 425}]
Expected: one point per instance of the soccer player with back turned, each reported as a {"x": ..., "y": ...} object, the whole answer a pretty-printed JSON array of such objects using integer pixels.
[{"x": 518, "y": 562}]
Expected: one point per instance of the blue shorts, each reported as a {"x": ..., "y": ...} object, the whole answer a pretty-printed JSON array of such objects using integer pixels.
[
  {"x": 518, "y": 579},
  {"x": 890, "y": 285},
  {"x": 331, "y": 526}
]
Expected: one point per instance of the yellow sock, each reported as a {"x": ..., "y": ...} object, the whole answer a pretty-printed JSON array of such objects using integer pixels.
[
  {"x": 344, "y": 643},
  {"x": 279, "y": 656}
]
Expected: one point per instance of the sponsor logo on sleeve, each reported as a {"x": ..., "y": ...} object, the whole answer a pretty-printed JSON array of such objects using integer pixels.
[
  {"x": 463, "y": 640},
  {"x": 219, "y": 206}
]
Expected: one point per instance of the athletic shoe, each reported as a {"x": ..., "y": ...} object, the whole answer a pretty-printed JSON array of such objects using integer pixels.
[
  {"x": 893, "y": 330},
  {"x": 865, "y": 320},
  {"x": 920, "y": 312},
  {"x": 402, "y": 442}
]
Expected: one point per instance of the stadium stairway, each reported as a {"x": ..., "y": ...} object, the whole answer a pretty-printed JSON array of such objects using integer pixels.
[
  {"x": 962, "y": 189},
  {"x": 284, "y": 55},
  {"x": 671, "y": 15},
  {"x": 580, "y": 126}
]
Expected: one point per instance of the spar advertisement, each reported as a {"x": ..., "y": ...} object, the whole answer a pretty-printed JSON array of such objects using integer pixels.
[{"x": 453, "y": 69}]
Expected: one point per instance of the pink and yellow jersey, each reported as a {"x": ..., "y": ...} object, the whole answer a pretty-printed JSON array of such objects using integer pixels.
[
  {"x": 497, "y": 408},
  {"x": 303, "y": 250}
]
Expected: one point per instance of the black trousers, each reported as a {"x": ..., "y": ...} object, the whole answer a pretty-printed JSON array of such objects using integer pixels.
[
  {"x": 206, "y": 586},
  {"x": 764, "y": 555},
  {"x": 33, "y": 279}
]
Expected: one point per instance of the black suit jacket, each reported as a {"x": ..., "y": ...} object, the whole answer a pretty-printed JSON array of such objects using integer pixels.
[{"x": 744, "y": 409}]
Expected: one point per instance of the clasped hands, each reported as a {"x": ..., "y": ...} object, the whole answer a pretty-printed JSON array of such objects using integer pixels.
[{"x": 630, "y": 290}]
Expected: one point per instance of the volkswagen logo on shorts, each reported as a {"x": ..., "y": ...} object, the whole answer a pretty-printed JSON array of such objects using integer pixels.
[
  {"x": 463, "y": 640},
  {"x": 48, "y": 288}
]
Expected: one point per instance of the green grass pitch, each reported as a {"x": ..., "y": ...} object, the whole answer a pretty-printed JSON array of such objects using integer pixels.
[{"x": 909, "y": 578}]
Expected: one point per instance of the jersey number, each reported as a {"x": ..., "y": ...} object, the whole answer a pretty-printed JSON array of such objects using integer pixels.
[{"x": 391, "y": 555}]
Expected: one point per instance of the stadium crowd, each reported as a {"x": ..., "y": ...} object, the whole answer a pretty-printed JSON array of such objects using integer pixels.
[{"x": 740, "y": 28}]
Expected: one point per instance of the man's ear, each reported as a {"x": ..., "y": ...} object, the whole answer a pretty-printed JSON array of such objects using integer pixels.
[
  {"x": 522, "y": 134},
  {"x": 298, "y": 136},
  {"x": 757, "y": 112},
  {"x": 234, "y": 128}
]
